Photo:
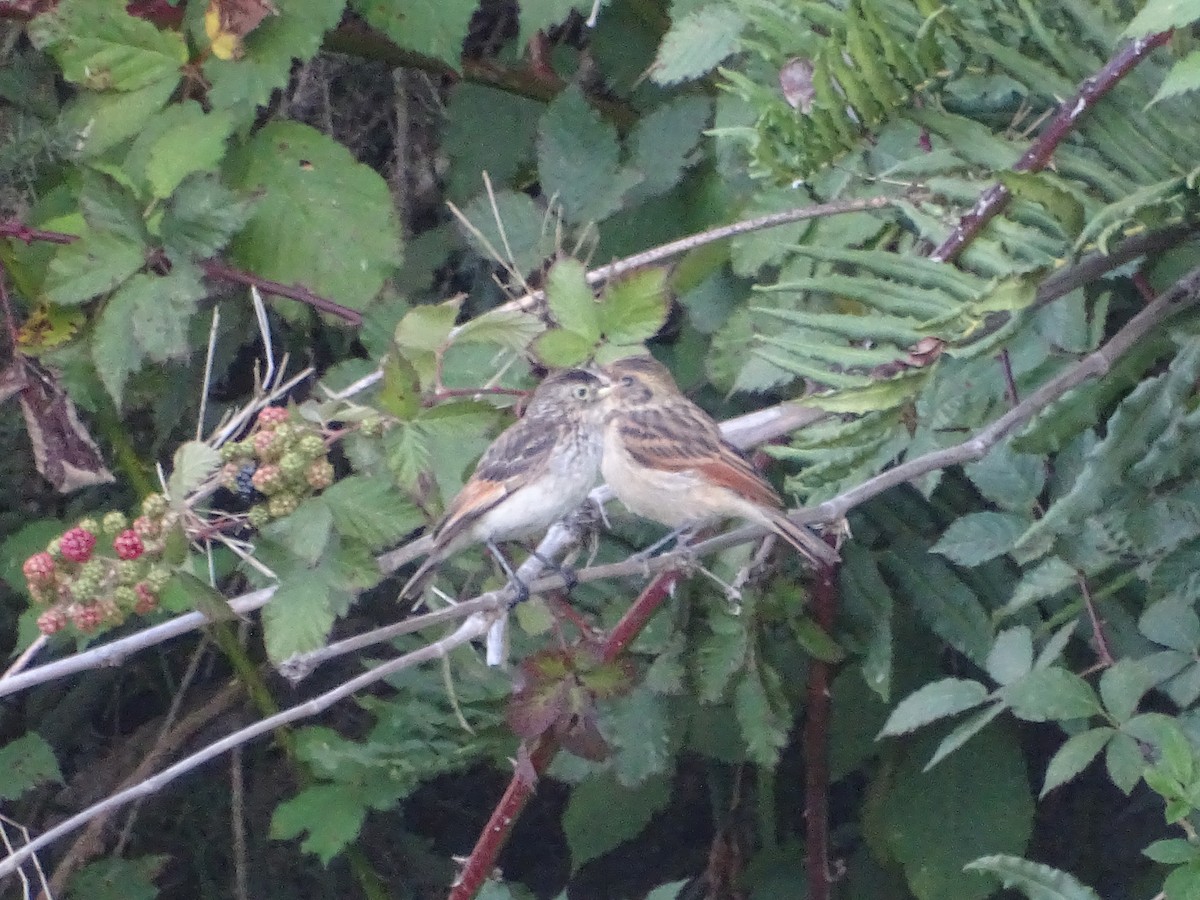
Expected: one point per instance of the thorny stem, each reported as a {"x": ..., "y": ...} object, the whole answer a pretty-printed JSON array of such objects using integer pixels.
[
  {"x": 1102, "y": 651},
  {"x": 993, "y": 201},
  {"x": 495, "y": 834},
  {"x": 816, "y": 744},
  {"x": 211, "y": 267}
]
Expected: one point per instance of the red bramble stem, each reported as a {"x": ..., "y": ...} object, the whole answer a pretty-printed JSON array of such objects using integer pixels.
[{"x": 482, "y": 861}]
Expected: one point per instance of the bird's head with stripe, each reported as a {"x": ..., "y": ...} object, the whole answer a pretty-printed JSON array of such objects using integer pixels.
[{"x": 638, "y": 381}]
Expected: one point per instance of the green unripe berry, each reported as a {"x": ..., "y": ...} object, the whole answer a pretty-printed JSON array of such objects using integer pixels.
[
  {"x": 155, "y": 506},
  {"x": 259, "y": 516},
  {"x": 113, "y": 522},
  {"x": 157, "y": 578},
  {"x": 310, "y": 446},
  {"x": 282, "y": 505}
]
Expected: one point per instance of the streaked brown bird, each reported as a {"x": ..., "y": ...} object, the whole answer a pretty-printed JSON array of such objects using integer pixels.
[
  {"x": 535, "y": 473},
  {"x": 665, "y": 459}
]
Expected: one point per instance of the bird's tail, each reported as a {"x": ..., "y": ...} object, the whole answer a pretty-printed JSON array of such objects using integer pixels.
[
  {"x": 415, "y": 586},
  {"x": 806, "y": 543}
]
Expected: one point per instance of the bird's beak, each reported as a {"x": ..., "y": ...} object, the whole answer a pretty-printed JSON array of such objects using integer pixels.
[{"x": 606, "y": 387}]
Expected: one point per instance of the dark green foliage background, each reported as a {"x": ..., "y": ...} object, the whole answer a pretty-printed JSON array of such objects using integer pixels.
[{"x": 980, "y": 737}]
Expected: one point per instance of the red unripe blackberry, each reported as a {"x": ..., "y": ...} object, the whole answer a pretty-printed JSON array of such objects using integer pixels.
[
  {"x": 128, "y": 544},
  {"x": 76, "y": 545}
]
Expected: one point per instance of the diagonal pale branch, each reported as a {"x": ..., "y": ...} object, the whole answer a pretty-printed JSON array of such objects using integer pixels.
[{"x": 473, "y": 628}]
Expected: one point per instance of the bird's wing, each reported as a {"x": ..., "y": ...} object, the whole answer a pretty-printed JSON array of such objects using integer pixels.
[
  {"x": 517, "y": 456},
  {"x": 681, "y": 437}
]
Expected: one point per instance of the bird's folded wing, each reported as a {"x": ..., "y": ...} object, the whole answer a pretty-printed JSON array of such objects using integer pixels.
[
  {"x": 682, "y": 438},
  {"x": 516, "y": 457}
]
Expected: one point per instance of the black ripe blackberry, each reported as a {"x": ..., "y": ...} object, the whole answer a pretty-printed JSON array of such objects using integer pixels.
[{"x": 245, "y": 487}]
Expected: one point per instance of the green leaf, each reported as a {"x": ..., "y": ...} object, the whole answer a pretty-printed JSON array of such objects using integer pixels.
[
  {"x": 578, "y": 159},
  {"x": 118, "y": 879},
  {"x": 978, "y": 537},
  {"x": 201, "y": 217},
  {"x": 324, "y": 220},
  {"x": 1074, "y": 756},
  {"x": 1124, "y": 761},
  {"x": 931, "y": 702},
  {"x": 299, "y": 617},
  {"x": 428, "y": 327},
  {"x": 1183, "y": 883},
  {"x": 663, "y": 143},
  {"x": 1173, "y": 623},
  {"x": 434, "y": 28},
  {"x": 193, "y": 463},
  {"x": 246, "y": 83},
  {"x": 634, "y": 308},
  {"x": 1035, "y": 880},
  {"x": 146, "y": 319},
  {"x": 1183, "y": 77},
  {"x": 181, "y": 141},
  {"x": 508, "y": 328},
  {"x": 371, "y": 510},
  {"x": 109, "y": 206},
  {"x": 306, "y": 532},
  {"x": 515, "y": 231},
  {"x": 640, "y": 726},
  {"x": 509, "y": 114},
  {"x": 1053, "y": 693},
  {"x": 1122, "y": 686},
  {"x": 602, "y": 814},
  {"x": 559, "y": 349},
  {"x": 1049, "y": 577},
  {"x": 1009, "y": 479},
  {"x": 193, "y": 593},
  {"x": 963, "y": 732},
  {"x": 163, "y": 308},
  {"x": 1172, "y": 851},
  {"x": 762, "y": 713},
  {"x": 571, "y": 301},
  {"x": 98, "y": 122},
  {"x": 975, "y": 802},
  {"x": 1011, "y": 656},
  {"x": 869, "y": 602},
  {"x": 721, "y": 653},
  {"x": 24, "y": 764},
  {"x": 99, "y": 45},
  {"x": 331, "y": 815},
  {"x": 93, "y": 265},
  {"x": 1161, "y": 15},
  {"x": 950, "y": 608},
  {"x": 696, "y": 44}
]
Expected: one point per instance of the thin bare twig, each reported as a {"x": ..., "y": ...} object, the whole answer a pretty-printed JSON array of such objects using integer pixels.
[{"x": 147, "y": 784}]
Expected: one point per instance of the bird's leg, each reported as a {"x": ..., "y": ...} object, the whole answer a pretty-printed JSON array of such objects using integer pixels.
[
  {"x": 570, "y": 579},
  {"x": 680, "y": 536},
  {"x": 521, "y": 587}
]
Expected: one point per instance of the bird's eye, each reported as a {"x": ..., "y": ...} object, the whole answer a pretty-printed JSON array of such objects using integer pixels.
[
  {"x": 581, "y": 392},
  {"x": 627, "y": 381}
]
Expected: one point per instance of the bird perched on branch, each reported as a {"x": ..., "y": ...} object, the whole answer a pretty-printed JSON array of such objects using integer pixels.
[
  {"x": 535, "y": 473},
  {"x": 665, "y": 459}
]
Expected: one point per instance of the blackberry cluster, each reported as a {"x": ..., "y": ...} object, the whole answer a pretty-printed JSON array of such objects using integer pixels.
[
  {"x": 87, "y": 589},
  {"x": 278, "y": 464}
]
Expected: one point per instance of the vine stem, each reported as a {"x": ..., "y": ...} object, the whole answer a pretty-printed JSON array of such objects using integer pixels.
[
  {"x": 993, "y": 201},
  {"x": 213, "y": 268}
]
